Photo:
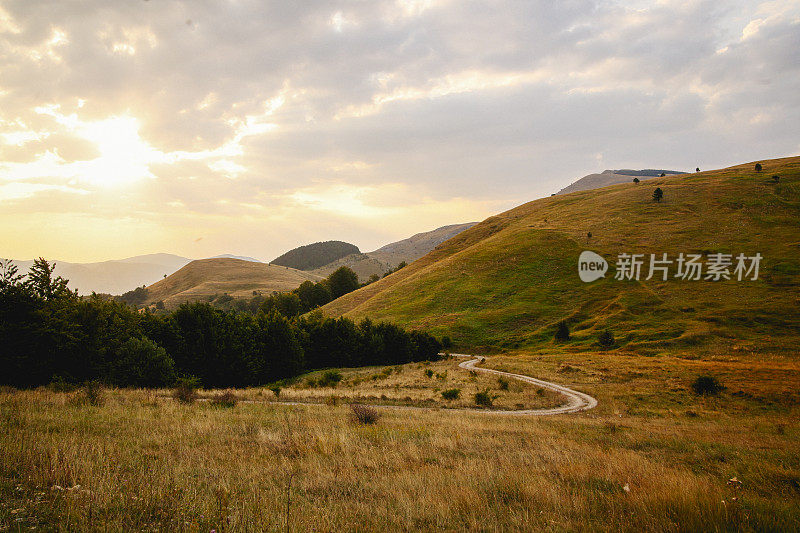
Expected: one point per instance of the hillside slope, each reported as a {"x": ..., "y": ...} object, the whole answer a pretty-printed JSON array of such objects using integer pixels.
[
  {"x": 506, "y": 282},
  {"x": 391, "y": 255},
  {"x": 311, "y": 256},
  {"x": 613, "y": 177},
  {"x": 208, "y": 277}
]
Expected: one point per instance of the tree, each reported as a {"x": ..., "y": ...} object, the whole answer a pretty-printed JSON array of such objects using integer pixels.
[
  {"x": 562, "y": 332},
  {"x": 662, "y": 175},
  {"x": 342, "y": 281},
  {"x": 41, "y": 282},
  {"x": 606, "y": 339},
  {"x": 758, "y": 167},
  {"x": 658, "y": 194},
  {"x": 697, "y": 169},
  {"x": 636, "y": 180},
  {"x": 8, "y": 274},
  {"x": 313, "y": 295},
  {"x": 140, "y": 362},
  {"x": 776, "y": 178}
]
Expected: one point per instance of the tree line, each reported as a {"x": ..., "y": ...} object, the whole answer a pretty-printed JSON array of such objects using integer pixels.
[{"x": 48, "y": 333}]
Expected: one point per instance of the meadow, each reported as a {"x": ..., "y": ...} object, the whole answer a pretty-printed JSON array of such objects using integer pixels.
[{"x": 653, "y": 456}]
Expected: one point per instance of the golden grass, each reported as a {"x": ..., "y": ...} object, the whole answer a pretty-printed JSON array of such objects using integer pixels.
[
  {"x": 646, "y": 459},
  {"x": 412, "y": 385}
]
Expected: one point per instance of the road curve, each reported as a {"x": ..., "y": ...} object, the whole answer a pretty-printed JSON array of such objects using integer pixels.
[{"x": 576, "y": 401}]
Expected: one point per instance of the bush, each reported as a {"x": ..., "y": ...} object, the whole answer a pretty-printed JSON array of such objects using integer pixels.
[
  {"x": 276, "y": 391},
  {"x": 776, "y": 178},
  {"x": 91, "y": 393},
  {"x": 707, "y": 386},
  {"x": 225, "y": 399},
  {"x": 758, "y": 167},
  {"x": 451, "y": 394},
  {"x": 562, "y": 332},
  {"x": 636, "y": 180},
  {"x": 186, "y": 389},
  {"x": 141, "y": 362},
  {"x": 330, "y": 378},
  {"x": 429, "y": 373},
  {"x": 658, "y": 194},
  {"x": 447, "y": 343},
  {"x": 59, "y": 384},
  {"x": 502, "y": 384},
  {"x": 364, "y": 414},
  {"x": 606, "y": 339},
  {"x": 484, "y": 399}
]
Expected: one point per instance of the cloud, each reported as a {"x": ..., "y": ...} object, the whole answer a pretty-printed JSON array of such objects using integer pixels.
[{"x": 266, "y": 124}]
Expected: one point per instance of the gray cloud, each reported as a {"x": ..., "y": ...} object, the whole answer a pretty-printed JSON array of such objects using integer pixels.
[{"x": 243, "y": 104}]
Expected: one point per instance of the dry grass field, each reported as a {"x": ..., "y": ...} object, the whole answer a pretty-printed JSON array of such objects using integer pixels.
[{"x": 653, "y": 456}]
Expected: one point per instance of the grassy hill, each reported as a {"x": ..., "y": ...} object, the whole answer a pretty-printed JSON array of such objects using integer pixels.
[
  {"x": 315, "y": 255},
  {"x": 389, "y": 256},
  {"x": 207, "y": 277},
  {"x": 506, "y": 282}
]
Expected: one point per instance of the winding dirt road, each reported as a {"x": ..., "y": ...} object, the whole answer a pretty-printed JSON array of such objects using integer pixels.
[{"x": 576, "y": 401}]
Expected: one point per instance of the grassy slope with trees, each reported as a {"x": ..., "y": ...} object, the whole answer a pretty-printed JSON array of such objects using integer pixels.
[{"x": 506, "y": 283}]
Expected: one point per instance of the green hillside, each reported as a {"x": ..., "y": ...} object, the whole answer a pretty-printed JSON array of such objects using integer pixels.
[
  {"x": 315, "y": 255},
  {"x": 508, "y": 281}
]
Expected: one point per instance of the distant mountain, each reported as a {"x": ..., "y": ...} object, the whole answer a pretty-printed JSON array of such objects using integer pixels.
[
  {"x": 390, "y": 255},
  {"x": 315, "y": 255},
  {"x": 613, "y": 177},
  {"x": 205, "y": 278},
  {"x": 116, "y": 276}
]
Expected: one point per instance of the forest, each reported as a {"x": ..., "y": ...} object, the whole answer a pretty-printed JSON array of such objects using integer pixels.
[{"x": 50, "y": 334}]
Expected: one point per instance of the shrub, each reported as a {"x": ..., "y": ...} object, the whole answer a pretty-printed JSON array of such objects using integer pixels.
[
  {"x": 91, "y": 393},
  {"x": 332, "y": 400},
  {"x": 141, "y": 362},
  {"x": 502, "y": 384},
  {"x": 707, "y": 386},
  {"x": 658, "y": 194},
  {"x": 562, "y": 332},
  {"x": 451, "y": 394},
  {"x": 59, "y": 384},
  {"x": 330, "y": 378},
  {"x": 484, "y": 399},
  {"x": 225, "y": 399},
  {"x": 442, "y": 376},
  {"x": 758, "y": 167},
  {"x": 364, "y": 414},
  {"x": 606, "y": 339},
  {"x": 776, "y": 178},
  {"x": 429, "y": 373},
  {"x": 636, "y": 180},
  {"x": 276, "y": 390},
  {"x": 447, "y": 343},
  {"x": 186, "y": 389}
]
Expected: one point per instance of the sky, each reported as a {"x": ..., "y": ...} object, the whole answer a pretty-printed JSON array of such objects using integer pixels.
[{"x": 251, "y": 127}]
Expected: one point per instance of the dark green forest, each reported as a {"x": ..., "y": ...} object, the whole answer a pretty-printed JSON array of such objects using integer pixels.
[
  {"x": 315, "y": 255},
  {"x": 50, "y": 334}
]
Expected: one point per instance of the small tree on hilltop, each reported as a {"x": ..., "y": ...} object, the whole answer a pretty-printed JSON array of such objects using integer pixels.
[
  {"x": 697, "y": 169},
  {"x": 636, "y": 180},
  {"x": 562, "y": 332},
  {"x": 758, "y": 167},
  {"x": 658, "y": 194},
  {"x": 662, "y": 175}
]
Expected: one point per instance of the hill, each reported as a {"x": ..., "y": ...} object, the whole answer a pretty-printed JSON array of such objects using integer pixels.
[
  {"x": 613, "y": 177},
  {"x": 506, "y": 282},
  {"x": 206, "y": 278},
  {"x": 391, "y": 255},
  {"x": 116, "y": 276},
  {"x": 315, "y": 255}
]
